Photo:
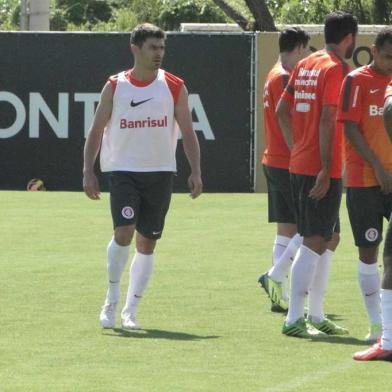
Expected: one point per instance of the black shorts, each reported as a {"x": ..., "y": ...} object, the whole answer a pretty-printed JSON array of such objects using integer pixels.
[
  {"x": 316, "y": 217},
  {"x": 141, "y": 198},
  {"x": 367, "y": 208},
  {"x": 280, "y": 199}
]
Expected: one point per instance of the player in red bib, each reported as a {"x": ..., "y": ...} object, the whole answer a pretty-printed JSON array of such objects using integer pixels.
[
  {"x": 135, "y": 130},
  {"x": 368, "y": 168},
  {"x": 293, "y": 46},
  {"x": 307, "y": 111},
  {"x": 382, "y": 350}
]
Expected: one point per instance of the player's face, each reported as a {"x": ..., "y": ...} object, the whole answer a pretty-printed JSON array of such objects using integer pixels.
[
  {"x": 350, "y": 48},
  {"x": 383, "y": 58},
  {"x": 150, "y": 55}
]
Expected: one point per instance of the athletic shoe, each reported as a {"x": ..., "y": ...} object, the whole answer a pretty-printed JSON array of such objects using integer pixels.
[
  {"x": 374, "y": 353},
  {"x": 108, "y": 315},
  {"x": 375, "y": 331},
  {"x": 129, "y": 322},
  {"x": 329, "y": 327},
  {"x": 301, "y": 329},
  {"x": 274, "y": 290}
]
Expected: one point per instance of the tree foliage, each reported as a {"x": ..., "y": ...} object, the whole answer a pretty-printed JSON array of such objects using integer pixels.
[{"x": 123, "y": 15}]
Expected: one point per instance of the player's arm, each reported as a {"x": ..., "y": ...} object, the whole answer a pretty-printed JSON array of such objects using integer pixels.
[
  {"x": 93, "y": 141},
  {"x": 326, "y": 143},
  {"x": 354, "y": 136},
  {"x": 388, "y": 116},
  {"x": 190, "y": 142},
  {"x": 284, "y": 118}
]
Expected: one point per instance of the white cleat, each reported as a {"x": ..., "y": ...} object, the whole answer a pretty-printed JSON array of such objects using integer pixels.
[
  {"x": 129, "y": 322},
  {"x": 375, "y": 331},
  {"x": 108, "y": 315}
]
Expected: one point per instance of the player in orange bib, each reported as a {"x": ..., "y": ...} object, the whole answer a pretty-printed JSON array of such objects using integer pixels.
[
  {"x": 368, "y": 167},
  {"x": 293, "y": 46},
  {"x": 382, "y": 350},
  {"x": 135, "y": 128},
  {"x": 307, "y": 112}
]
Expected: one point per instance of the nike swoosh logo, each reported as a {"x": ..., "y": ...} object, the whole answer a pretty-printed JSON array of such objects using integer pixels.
[
  {"x": 134, "y": 104},
  {"x": 368, "y": 295},
  {"x": 155, "y": 232},
  {"x": 373, "y": 91}
]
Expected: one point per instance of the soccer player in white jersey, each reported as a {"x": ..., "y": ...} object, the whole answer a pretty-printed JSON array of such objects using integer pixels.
[{"x": 136, "y": 126}]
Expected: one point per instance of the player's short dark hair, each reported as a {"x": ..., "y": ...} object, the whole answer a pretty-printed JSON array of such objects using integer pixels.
[
  {"x": 337, "y": 25},
  {"x": 383, "y": 36},
  {"x": 292, "y": 37},
  {"x": 145, "y": 30}
]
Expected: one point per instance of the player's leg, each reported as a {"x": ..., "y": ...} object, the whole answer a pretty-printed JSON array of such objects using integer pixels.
[
  {"x": 329, "y": 227},
  {"x": 365, "y": 209},
  {"x": 281, "y": 212},
  {"x": 124, "y": 207},
  {"x": 317, "y": 221},
  {"x": 307, "y": 257},
  {"x": 155, "y": 200},
  {"x": 139, "y": 276},
  {"x": 382, "y": 350},
  {"x": 386, "y": 293}
]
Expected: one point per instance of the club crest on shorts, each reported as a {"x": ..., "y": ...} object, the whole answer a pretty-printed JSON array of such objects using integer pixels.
[
  {"x": 127, "y": 212},
  {"x": 371, "y": 234}
]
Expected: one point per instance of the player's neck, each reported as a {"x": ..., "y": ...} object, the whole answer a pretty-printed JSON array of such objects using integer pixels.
[
  {"x": 143, "y": 75},
  {"x": 287, "y": 61},
  {"x": 374, "y": 67},
  {"x": 336, "y": 49}
]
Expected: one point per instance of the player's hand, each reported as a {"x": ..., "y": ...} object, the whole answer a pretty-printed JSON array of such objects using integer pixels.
[
  {"x": 195, "y": 185},
  {"x": 384, "y": 179},
  {"x": 320, "y": 188},
  {"x": 91, "y": 185}
]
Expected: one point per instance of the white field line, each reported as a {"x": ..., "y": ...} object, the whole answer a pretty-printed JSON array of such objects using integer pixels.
[{"x": 299, "y": 382}]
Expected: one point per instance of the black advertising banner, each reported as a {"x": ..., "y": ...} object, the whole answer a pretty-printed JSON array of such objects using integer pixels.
[{"x": 50, "y": 85}]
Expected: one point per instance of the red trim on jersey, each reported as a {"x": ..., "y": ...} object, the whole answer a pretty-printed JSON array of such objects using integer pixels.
[{"x": 174, "y": 83}]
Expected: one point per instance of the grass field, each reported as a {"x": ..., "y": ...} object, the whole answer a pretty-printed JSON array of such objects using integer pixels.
[{"x": 207, "y": 323}]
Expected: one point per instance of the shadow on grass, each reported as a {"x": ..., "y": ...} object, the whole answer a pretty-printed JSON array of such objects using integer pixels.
[
  {"x": 335, "y": 317},
  {"x": 157, "y": 334},
  {"x": 334, "y": 339}
]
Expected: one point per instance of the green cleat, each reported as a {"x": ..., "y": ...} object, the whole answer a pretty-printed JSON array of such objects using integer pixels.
[
  {"x": 375, "y": 331},
  {"x": 329, "y": 327},
  {"x": 274, "y": 291},
  {"x": 301, "y": 329}
]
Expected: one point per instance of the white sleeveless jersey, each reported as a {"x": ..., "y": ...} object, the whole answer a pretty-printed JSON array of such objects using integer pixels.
[{"x": 142, "y": 133}]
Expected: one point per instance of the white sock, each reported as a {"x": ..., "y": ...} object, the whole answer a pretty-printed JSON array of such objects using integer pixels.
[
  {"x": 279, "y": 247},
  {"x": 302, "y": 273},
  {"x": 386, "y": 305},
  {"x": 139, "y": 275},
  {"x": 369, "y": 282},
  {"x": 317, "y": 290},
  {"x": 281, "y": 267},
  {"x": 117, "y": 258}
]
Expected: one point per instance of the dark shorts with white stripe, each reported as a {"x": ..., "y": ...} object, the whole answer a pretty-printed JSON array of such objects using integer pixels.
[{"x": 141, "y": 198}]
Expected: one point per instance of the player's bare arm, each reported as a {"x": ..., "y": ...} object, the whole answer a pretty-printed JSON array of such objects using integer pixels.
[
  {"x": 327, "y": 139},
  {"x": 284, "y": 118},
  {"x": 190, "y": 142},
  {"x": 388, "y": 116},
  {"x": 356, "y": 139},
  {"x": 93, "y": 142}
]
